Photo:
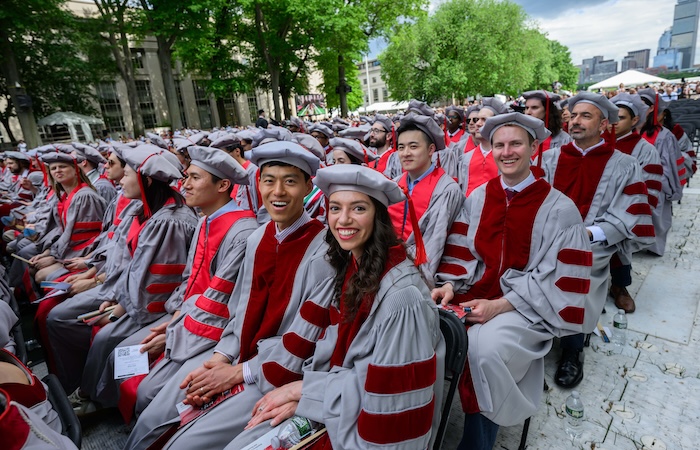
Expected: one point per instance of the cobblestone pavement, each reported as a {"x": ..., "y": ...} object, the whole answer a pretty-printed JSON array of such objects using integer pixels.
[{"x": 646, "y": 396}]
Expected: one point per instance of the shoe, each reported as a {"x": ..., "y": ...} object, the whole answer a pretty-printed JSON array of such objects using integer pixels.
[
  {"x": 570, "y": 370},
  {"x": 623, "y": 299},
  {"x": 82, "y": 406}
]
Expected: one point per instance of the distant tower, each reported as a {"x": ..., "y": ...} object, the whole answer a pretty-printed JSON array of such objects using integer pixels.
[{"x": 684, "y": 34}]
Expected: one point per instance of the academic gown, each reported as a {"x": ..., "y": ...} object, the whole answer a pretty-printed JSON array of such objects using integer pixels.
[
  {"x": 214, "y": 259},
  {"x": 296, "y": 275},
  {"x": 158, "y": 250},
  {"x": 671, "y": 158},
  {"x": 376, "y": 381},
  {"x": 534, "y": 251},
  {"x": 609, "y": 192},
  {"x": 475, "y": 169},
  {"x": 437, "y": 200}
]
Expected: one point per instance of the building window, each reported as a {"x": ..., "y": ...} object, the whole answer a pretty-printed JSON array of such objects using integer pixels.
[
  {"x": 181, "y": 103},
  {"x": 148, "y": 110},
  {"x": 385, "y": 94},
  {"x": 374, "y": 80},
  {"x": 364, "y": 81},
  {"x": 375, "y": 95},
  {"x": 203, "y": 106},
  {"x": 137, "y": 57},
  {"x": 367, "y": 99},
  {"x": 110, "y": 107},
  {"x": 253, "y": 106},
  {"x": 230, "y": 107}
]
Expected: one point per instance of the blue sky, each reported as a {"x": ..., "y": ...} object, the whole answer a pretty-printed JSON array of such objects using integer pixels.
[{"x": 596, "y": 27}]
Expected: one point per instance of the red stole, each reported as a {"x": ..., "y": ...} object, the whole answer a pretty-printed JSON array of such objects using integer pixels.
[
  {"x": 347, "y": 330},
  {"x": 421, "y": 195},
  {"x": 65, "y": 201},
  {"x": 380, "y": 164},
  {"x": 482, "y": 169},
  {"x": 234, "y": 192},
  {"x": 274, "y": 269},
  {"x": 207, "y": 246},
  {"x": 678, "y": 132},
  {"x": 132, "y": 237},
  {"x": 454, "y": 138},
  {"x": 504, "y": 235},
  {"x": 627, "y": 144},
  {"x": 13, "y": 428},
  {"x": 652, "y": 139},
  {"x": 577, "y": 176},
  {"x": 470, "y": 145}
]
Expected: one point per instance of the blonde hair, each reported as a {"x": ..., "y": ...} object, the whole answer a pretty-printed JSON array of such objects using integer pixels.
[{"x": 58, "y": 187}]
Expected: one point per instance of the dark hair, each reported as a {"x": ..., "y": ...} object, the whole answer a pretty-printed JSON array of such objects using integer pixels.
[
  {"x": 649, "y": 128},
  {"x": 629, "y": 110},
  {"x": 157, "y": 194},
  {"x": 413, "y": 127},
  {"x": 555, "y": 121},
  {"x": 22, "y": 163},
  {"x": 260, "y": 111},
  {"x": 668, "y": 119},
  {"x": 307, "y": 177},
  {"x": 364, "y": 284},
  {"x": 215, "y": 179}
]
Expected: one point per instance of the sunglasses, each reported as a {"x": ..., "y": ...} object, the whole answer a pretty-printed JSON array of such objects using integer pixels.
[
  {"x": 453, "y": 117},
  {"x": 474, "y": 119}
]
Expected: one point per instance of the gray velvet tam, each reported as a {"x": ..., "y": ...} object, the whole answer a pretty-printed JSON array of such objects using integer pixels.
[
  {"x": 224, "y": 140},
  {"x": 152, "y": 164},
  {"x": 632, "y": 101},
  {"x": 494, "y": 105},
  {"x": 323, "y": 129},
  {"x": 17, "y": 155},
  {"x": 651, "y": 95},
  {"x": 457, "y": 110},
  {"x": 534, "y": 126},
  {"x": 427, "y": 125},
  {"x": 54, "y": 157},
  {"x": 360, "y": 132},
  {"x": 599, "y": 101},
  {"x": 157, "y": 140},
  {"x": 311, "y": 144},
  {"x": 285, "y": 152},
  {"x": 218, "y": 162},
  {"x": 418, "y": 107},
  {"x": 384, "y": 121},
  {"x": 351, "y": 177},
  {"x": 354, "y": 148},
  {"x": 542, "y": 95},
  {"x": 85, "y": 152}
]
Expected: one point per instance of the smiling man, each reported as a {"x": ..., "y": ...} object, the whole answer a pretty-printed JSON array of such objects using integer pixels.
[
  {"x": 434, "y": 194},
  {"x": 521, "y": 241},
  {"x": 283, "y": 286}
]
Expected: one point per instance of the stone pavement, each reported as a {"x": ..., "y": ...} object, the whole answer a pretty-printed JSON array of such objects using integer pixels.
[{"x": 646, "y": 396}]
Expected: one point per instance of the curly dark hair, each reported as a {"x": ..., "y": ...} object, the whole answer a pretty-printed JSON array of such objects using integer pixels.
[
  {"x": 363, "y": 284},
  {"x": 555, "y": 120}
]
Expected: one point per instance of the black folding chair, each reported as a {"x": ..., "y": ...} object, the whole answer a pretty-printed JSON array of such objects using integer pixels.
[
  {"x": 17, "y": 334},
  {"x": 456, "y": 344},
  {"x": 61, "y": 404}
]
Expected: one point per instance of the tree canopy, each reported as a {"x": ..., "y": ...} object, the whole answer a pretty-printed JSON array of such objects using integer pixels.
[{"x": 469, "y": 47}]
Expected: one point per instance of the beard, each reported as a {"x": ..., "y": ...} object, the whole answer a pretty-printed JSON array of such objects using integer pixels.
[{"x": 377, "y": 142}]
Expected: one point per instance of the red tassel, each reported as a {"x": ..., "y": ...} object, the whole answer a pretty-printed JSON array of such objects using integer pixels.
[
  {"x": 364, "y": 150},
  {"x": 438, "y": 165},
  {"x": 447, "y": 136},
  {"x": 613, "y": 138},
  {"x": 420, "y": 257}
]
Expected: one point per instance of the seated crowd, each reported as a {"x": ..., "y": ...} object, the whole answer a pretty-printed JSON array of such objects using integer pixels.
[{"x": 270, "y": 273}]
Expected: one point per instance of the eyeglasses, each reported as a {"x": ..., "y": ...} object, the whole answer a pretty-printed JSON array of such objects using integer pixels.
[
  {"x": 376, "y": 130},
  {"x": 453, "y": 117},
  {"x": 474, "y": 119}
]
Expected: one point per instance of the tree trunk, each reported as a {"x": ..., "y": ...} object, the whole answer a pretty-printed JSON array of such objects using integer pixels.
[
  {"x": 275, "y": 85},
  {"x": 166, "y": 69},
  {"x": 342, "y": 94},
  {"x": 23, "y": 106},
  {"x": 132, "y": 93},
  {"x": 5, "y": 121},
  {"x": 221, "y": 108},
  {"x": 284, "y": 93}
]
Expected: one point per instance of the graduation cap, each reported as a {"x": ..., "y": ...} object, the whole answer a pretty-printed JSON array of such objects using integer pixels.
[
  {"x": 534, "y": 126},
  {"x": 421, "y": 108},
  {"x": 17, "y": 155},
  {"x": 85, "y": 152},
  {"x": 427, "y": 125},
  {"x": 360, "y": 132},
  {"x": 354, "y": 148},
  {"x": 347, "y": 177},
  {"x": 219, "y": 163},
  {"x": 224, "y": 140},
  {"x": 384, "y": 121},
  {"x": 457, "y": 110},
  {"x": 632, "y": 101},
  {"x": 493, "y": 104},
  {"x": 157, "y": 140},
  {"x": 311, "y": 144},
  {"x": 167, "y": 154},
  {"x": 599, "y": 101},
  {"x": 151, "y": 164},
  {"x": 55, "y": 157},
  {"x": 320, "y": 128},
  {"x": 285, "y": 152}
]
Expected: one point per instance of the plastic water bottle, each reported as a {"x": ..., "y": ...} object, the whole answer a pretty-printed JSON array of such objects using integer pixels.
[
  {"x": 620, "y": 331},
  {"x": 574, "y": 415},
  {"x": 292, "y": 431}
]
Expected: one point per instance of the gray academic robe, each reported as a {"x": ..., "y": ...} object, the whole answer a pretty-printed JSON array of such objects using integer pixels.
[
  {"x": 313, "y": 286},
  {"x": 400, "y": 338},
  {"x": 548, "y": 295}
]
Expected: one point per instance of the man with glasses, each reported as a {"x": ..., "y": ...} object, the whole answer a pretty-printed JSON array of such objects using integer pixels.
[
  {"x": 323, "y": 134},
  {"x": 381, "y": 140},
  {"x": 478, "y": 167}
]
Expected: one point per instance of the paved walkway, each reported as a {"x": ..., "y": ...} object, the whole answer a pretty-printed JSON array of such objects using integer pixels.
[{"x": 646, "y": 396}]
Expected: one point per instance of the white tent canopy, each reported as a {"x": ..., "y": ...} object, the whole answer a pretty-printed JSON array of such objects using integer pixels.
[
  {"x": 382, "y": 107},
  {"x": 71, "y": 119},
  {"x": 628, "y": 78}
]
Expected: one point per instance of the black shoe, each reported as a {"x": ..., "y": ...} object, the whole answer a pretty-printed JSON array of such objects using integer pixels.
[{"x": 570, "y": 370}]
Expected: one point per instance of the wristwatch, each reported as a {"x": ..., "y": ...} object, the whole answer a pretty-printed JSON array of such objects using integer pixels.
[{"x": 112, "y": 317}]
